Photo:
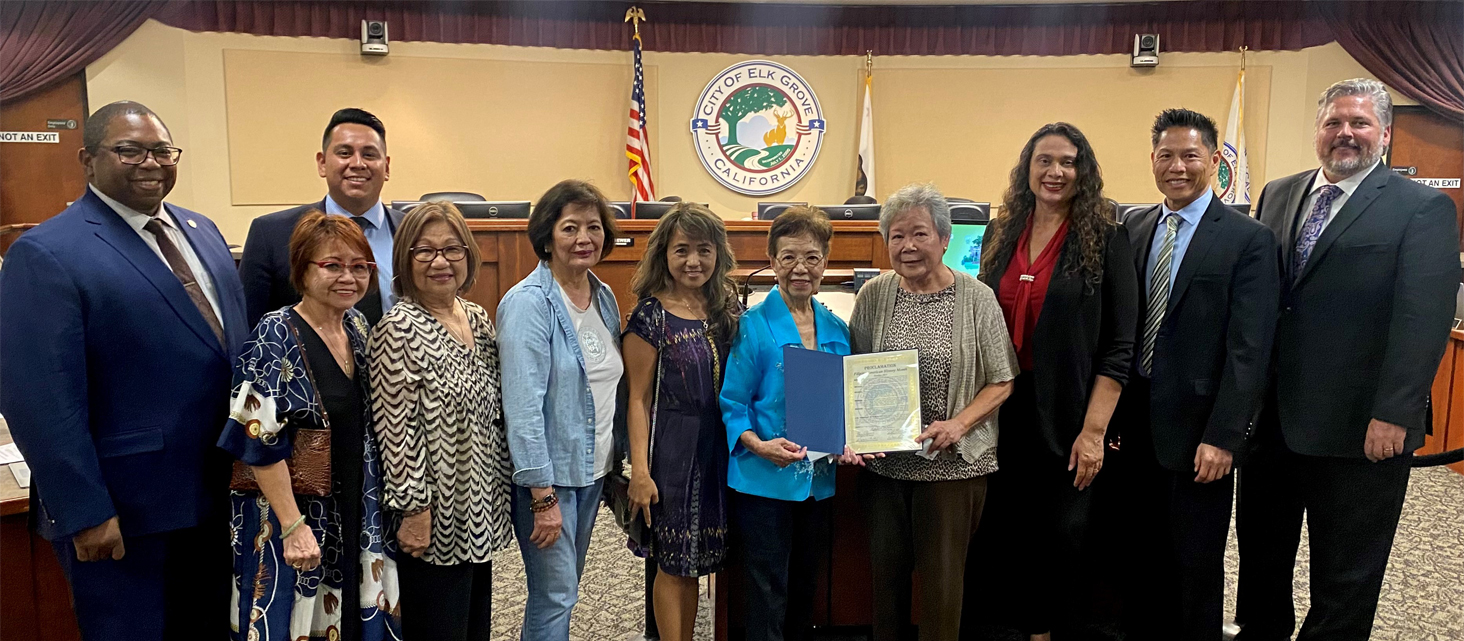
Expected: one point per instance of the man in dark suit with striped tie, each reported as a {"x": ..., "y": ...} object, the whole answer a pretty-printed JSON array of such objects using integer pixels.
[
  {"x": 1371, "y": 267},
  {"x": 355, "y": 166},
  {"x": 1211, "y": 280}
]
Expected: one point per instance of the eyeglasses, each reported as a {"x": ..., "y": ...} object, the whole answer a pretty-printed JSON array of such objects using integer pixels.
[
  {"x": 335, "y": 269},
  {"x": 453, "y": 253},
  {"x": 789, "y": 261},
  {"x": 134, "y": 155}
]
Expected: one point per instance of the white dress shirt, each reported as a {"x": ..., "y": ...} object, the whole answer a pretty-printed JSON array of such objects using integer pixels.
[
  {"x": 1347, "y": 185},
  {"x": 136, "y": 220}
]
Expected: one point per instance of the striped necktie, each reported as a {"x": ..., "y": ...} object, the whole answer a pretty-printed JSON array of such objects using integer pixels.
[{"x": 1158, "y": 293}]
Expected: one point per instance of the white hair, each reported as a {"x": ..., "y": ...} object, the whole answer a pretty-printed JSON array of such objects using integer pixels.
[
  {"x": 917, "y": 196},
  {"x": 1381, "y": 99}
]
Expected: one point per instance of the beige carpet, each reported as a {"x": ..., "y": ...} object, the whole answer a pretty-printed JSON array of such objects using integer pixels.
[{"x": 1422, "y": 600}]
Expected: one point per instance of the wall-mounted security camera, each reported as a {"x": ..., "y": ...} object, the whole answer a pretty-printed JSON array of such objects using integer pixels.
[
  {"x": 373, "y": 37},
  {"x": 1146, "y": 50}
]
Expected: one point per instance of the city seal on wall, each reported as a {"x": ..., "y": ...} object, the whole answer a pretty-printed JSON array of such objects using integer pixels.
[{"x": 757, "y": 127}]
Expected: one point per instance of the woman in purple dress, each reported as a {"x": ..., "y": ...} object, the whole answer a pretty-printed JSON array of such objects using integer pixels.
[{"x": 675, "y": 348}]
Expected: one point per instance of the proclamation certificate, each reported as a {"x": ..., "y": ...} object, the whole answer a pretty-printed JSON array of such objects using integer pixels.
[{"x": 882, "y": 402}]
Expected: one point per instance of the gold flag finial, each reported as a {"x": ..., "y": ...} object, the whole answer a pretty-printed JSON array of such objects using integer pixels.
[
  {"x": 635, "y": 16},
  {"x": 868, "y": 62},
  {"x": 1243, "y": 49}
]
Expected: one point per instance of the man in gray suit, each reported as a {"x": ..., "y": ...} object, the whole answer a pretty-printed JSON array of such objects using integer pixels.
[{"x": 1370, "y": 265}]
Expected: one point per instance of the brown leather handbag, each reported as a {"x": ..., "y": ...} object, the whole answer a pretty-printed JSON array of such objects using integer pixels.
[{"x": 309, "y": 461}]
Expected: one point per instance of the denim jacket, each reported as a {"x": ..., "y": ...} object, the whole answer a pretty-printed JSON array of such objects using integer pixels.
[
  {"x": 547, "y": 404},
  {"x": 752, "y": 399}
]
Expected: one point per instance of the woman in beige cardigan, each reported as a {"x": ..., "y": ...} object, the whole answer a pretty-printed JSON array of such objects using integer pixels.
[{"x": 922, "y": 509}]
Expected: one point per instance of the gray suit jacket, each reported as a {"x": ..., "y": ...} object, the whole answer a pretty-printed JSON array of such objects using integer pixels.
[{"x": 1364, "y": 325}]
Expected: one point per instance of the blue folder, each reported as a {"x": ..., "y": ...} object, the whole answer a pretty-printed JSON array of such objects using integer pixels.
[{"x": 813, "y": 386}]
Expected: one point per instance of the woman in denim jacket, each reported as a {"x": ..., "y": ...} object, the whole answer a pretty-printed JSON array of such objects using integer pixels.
[{"x": 558, "y": 332}]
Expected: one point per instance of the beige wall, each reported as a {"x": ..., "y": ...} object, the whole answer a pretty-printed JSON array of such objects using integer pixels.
[{"x": 508, "y": 122}]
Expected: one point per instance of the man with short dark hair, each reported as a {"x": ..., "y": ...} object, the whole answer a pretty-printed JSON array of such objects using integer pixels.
[
  {"x": 119, "y": 321},
  {"x": 1211, "y": 283},
  {"x": 1370, "y": 266},
  {"x": 354, "y": 163}
]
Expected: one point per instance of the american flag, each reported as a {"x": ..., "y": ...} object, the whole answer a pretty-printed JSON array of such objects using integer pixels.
[{"x": 637, "y": 138}]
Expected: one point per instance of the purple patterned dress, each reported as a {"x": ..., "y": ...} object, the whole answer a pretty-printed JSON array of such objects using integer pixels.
[{"x": 688, "y": 445}]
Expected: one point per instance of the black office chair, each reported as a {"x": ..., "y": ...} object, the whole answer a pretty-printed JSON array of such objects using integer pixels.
[{"x": 452, "y": 196}]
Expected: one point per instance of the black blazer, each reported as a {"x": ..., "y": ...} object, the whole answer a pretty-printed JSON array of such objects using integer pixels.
[
  {"x": 1363, "y": 327},
  {"x": 1083, "y": 332},
  {"x": 1213, "y": 349},
  {"x": 265, "y": 266}
]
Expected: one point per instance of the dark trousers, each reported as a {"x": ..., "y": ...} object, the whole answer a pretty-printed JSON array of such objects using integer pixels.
[
  {"x": 924, "y": 528},
  {"x": 1352, "y": 508},
  {"x": 167, "y": 586},
  {"x": 1174, "y": 583},
  {"x": 783, "y": 545},
  {"x": 446, "y": 602}
]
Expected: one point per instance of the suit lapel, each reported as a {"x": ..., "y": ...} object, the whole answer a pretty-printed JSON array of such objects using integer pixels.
[
  {"x": 115, "y": 232},
  {"x": 1194, "y": 254},
  {"x": 1358, "y": 202},
  {"x": 1147, "y": 222},
  {"x": 1291, "y": 216},
  {"x": 219, "y": 265}
]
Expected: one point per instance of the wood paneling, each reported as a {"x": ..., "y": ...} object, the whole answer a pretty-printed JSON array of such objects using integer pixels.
[
  {"x": 507, "y": 256},
  {"x": 40, "y": 178},
  {"x": 1432, "y": 144}
]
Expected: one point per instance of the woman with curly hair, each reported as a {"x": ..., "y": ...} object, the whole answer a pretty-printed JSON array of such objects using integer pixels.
[
  {"x": 676, "y": 345},
  {"x": 1065, "y": 280}
]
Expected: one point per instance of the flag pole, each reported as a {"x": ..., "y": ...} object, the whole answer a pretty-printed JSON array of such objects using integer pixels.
[{"x": 635, "y": 15}]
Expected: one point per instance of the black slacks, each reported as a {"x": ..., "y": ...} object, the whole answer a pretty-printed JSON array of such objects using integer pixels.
[
  {"x": 1174, "y": 585},
  {"x": 783, "y": 546},
  {"x": 1352, "y": 508},
  {"x": 446, "y": 602}
]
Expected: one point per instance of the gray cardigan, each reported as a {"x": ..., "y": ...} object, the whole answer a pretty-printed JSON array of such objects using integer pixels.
[{"x": 981, "y": 349}]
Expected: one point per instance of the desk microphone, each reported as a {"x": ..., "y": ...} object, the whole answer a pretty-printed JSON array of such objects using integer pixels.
[{"x": 747, "y": 283}]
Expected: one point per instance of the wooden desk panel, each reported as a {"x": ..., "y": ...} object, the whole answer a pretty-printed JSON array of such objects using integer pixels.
[{"x": 507, "y": 256}]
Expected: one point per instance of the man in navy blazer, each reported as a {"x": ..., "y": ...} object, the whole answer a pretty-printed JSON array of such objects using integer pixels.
[
  {"x": 119, "y": 321},
  {"x": 355, "y": 166},
  {"x": 1369, "y": 273},
  {"x": 1210, "y": 282}
]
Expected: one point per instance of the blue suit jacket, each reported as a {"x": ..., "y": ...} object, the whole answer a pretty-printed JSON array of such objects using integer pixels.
[{"x": 113, "y": 385}]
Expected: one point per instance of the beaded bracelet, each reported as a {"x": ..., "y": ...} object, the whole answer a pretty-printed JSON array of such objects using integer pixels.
[
  {"x": 290, "y": 530},
  {"x": 543, "y": 505}
]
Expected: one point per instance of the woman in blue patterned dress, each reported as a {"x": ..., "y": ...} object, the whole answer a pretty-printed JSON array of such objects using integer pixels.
[
  {"x": 305, "y": 566},
  {"x": 675, "y": 345}
]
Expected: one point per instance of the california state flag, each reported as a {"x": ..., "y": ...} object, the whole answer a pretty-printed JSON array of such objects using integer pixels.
[
  {"x": 864, "y": 181},
  {"x": 1234, "y": 172}
]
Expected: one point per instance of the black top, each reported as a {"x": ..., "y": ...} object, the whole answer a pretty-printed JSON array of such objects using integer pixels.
[
  {"x": 1364, "y": 325},
  {"x": 1083, "y": 332},
  {"x": 345, "y": 406}
]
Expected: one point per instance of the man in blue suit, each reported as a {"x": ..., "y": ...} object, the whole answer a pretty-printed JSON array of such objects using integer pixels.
[
  {"x": 119, "y": 320},
  {"x": 353, "y": 161}
]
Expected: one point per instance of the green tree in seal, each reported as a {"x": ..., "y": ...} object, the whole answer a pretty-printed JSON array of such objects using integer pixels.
[{"x": 747, "y": 101}]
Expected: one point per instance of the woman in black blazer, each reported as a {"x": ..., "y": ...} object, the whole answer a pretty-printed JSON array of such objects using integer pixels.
[{"x": 1064, "y": 275}]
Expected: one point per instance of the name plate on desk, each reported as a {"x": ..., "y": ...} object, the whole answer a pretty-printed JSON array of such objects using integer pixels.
[{"x": 869, "y": 402}]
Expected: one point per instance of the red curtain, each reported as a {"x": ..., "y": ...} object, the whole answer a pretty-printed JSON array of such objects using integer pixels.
[
  {"x": 1416, "y": 50},
  {"x": 42, "y": 42},
  {"x": 784, "y": 29}
]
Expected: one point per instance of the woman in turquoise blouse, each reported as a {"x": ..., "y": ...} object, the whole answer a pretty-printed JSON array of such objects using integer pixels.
[{"x": 778, "y": 493}]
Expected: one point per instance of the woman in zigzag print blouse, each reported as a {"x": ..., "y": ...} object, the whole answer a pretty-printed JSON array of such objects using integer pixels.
[{"x": 436, "y": 403}]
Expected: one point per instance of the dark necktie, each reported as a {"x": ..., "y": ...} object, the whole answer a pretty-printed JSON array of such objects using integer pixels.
[
  {"x": 1158, "y": 293},
  {"x": 370, "y": 304},
  {"x": 180, "y": 269},
  {"x": 1311, "y": 230}
]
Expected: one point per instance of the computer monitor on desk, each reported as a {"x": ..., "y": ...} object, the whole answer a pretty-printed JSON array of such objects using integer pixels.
[
  {"x": 851, "y": 212},
  {"x": 477, "y": 208},
  {"x": 769, "y": 210},
  {"x": 964, "y": 252}
]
